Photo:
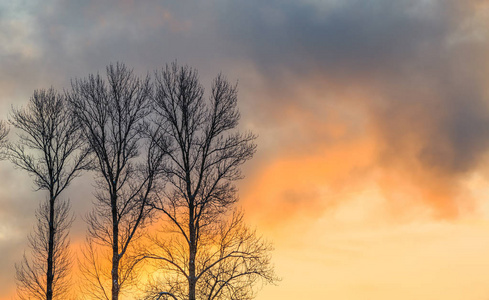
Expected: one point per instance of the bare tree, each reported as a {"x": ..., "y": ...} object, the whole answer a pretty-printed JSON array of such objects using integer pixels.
[
  {"x": 203, "y": 255},
  {"x": 112, "y": 113},
  {"x": 49, "y": 148},
  {"x": 234, "y": 262},
  {"x": 31, "y": 274},
  {"x": 231, "y": 260}
]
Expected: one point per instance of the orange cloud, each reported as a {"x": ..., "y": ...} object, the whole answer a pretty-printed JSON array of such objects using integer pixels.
[
  {"x": 303, "y": 185},
  {"x": 320, "y": 153}
]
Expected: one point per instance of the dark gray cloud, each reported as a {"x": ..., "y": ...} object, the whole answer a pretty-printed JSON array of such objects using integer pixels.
[
  {"x": 366, "y": 37},
  {"x": 426, "y": 71},
  {"x": 56, "y": 40}
]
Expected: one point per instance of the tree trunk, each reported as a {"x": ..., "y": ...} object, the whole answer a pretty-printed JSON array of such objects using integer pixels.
[
  {"x": 191, "y": 280},
  {"x": 115, "y": 250},
  {"x": 50, "y": 267},
  {"x": 192, "y": 255}
]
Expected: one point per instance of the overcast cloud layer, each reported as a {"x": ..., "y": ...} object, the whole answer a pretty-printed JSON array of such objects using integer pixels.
[{"x": 340, "y": 92}]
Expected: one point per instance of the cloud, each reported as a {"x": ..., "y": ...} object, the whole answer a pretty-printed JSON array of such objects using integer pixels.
[
  {"x": 314, "y": 75},
  {"x": 413, "y": 73},
  {"x": 343, "y": 38}
]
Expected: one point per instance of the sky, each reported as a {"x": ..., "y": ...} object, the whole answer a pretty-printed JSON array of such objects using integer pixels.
[{"x": 371, "y": 176}]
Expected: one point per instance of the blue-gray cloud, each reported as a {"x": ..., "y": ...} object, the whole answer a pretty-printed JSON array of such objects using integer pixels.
[{"x": 429, "y": 74}]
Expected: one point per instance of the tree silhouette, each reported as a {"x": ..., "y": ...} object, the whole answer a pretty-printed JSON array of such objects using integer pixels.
[
  {"x": 231, "y": 260},
  {"x": 203, "y": 254},
  {"x": 111, "y": 114},
  {"x": 48, "y": 148}
]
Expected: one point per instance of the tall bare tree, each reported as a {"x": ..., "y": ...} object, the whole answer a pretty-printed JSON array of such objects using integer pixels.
[
  {"x": 112, "y": 113},
  {"x": 202, "y": 251},
  {"x": 50, "y": 149}
]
